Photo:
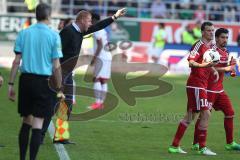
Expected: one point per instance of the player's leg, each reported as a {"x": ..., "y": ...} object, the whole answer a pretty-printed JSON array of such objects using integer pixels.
[
  {"x": 23, "y": 137},
  {"x": 211, "y": 100},
  {"x": 205, "y": 114},
  {"x": 105, "y": 74},
  {"x": 97, "y": 93},
  {"x": 183, "y": 125},
  {"x": 102, "y": 74},
  {"x": 69, "y": 95},
  {"x": 104, "y": 90},
  {"x": 202, "y": 132},
  {"x": 45, "y": 127},
  {"x": 36, "y": 136},
  {"x": 195, "y": 139},
  {"x": 25, "y": 110},
  {"x": 192, "y": 105},
  {"x": 224, "y": 104}
]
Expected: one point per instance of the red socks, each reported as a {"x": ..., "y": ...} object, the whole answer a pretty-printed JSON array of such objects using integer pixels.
[
  {"x": 195, "y": 140},
  {"x": 228, "y": 125},
  {"x": 179, "y": 134},
  {"x": 202, "y": 138}
]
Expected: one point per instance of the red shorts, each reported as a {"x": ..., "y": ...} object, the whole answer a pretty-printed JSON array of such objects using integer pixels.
[
  {"x": 197, "y": 99},
  {"x": 220, "y": 101}
]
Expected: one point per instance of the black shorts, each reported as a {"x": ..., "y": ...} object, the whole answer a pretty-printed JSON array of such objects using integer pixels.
[{"x": 35, "y": 97}]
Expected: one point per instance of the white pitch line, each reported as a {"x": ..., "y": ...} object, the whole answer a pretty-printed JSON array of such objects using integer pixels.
[{"x": 62, "y": 152}]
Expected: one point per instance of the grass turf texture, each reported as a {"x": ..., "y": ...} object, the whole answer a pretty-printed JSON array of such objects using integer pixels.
[{"x": 121, "y": 134}]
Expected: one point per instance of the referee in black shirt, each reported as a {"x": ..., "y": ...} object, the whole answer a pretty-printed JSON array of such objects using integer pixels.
[{"x": 71, "y": 38}]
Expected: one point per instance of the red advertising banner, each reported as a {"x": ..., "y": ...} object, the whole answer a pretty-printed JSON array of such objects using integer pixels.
[{"x": 175, "y": 29}]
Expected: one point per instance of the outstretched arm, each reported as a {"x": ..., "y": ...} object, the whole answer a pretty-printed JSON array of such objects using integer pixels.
[{"x": 106, "y": 22}]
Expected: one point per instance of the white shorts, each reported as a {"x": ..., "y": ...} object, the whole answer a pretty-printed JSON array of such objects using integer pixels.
[{"x": 102, "y": 69}]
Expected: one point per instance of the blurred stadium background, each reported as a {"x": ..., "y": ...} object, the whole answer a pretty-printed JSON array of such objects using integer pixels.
[
  {"x": 139, "y": 26},
  {"x": 122, "y": 134}
]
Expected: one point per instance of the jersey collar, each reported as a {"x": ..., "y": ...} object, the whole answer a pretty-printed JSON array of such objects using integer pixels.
[{"x": 76, "y": 27}]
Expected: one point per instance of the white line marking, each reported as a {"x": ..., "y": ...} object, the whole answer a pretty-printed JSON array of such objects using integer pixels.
[{"x": 62, "y": 152}]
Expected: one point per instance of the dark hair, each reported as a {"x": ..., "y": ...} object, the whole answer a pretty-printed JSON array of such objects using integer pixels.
[
  {"x": 219, "y": 31},
  {"x": 161, "y": 25},
  {"x": 43, "y": 11},
  {"x": 66, "y": 21},
  {"x": 95, "y": 16},
  {"x": 205, "y": 24}
]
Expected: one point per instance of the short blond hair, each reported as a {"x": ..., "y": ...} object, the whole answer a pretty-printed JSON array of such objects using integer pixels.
[{"x": 82, "y": 14}]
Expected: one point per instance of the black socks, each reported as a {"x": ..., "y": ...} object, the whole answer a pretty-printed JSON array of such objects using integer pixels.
[
  {"x": 23, "y": 140},
  {"x": 35, "y": 142}
]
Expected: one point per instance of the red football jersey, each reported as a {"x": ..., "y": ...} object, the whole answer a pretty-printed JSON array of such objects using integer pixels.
[
  {"x": 215, "y": 82},
  {"x": 199, "y": 76}
]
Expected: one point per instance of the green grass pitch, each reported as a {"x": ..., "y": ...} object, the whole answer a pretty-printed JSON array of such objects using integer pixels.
[{"x": 121, "y": 134}]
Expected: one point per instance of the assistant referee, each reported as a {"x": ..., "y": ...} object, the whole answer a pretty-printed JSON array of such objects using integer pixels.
[{"x": 39, "y": 48}]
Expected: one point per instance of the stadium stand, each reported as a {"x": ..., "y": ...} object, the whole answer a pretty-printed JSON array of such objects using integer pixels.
[{"x": 216, "y": 10}]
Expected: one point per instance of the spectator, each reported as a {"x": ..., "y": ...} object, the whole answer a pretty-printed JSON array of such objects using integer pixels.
[
  {"x": 158, "y": 44},
  {"x": 112, "y": 5},
  {"x": 229, "y": 14},
  {"x": 187, "y": 36},
  {"x": 185, "y": 12},
  {"x": 216, "y": 12},
  {"x": 197, "y": 34},
  {"x": 158, "y": 9},
  {"x": 132, "y": 9},
  {"x": 144, "y": 10},
  {"x": 199, "y": 14}
]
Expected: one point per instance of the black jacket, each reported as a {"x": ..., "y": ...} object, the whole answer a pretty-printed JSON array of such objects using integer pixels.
[{"x": 72, "y": 39}]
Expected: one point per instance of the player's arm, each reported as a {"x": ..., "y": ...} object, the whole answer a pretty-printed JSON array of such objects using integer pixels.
[
  {"x": 195, "y": 64},
  {"x": 106, "y": 22},
  {"x": 98, "y": 50},
  {"x": 13, "y": 73},
  {"x": 57, "y": 70},
  {"x": 225, "y": 69},
  {"x": 57, "y": 73}
]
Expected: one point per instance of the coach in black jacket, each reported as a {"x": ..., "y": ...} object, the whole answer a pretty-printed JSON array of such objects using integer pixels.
[{"x": 71, "y": 38}]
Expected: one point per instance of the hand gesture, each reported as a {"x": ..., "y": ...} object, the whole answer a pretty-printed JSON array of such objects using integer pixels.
[
  {"x": 233, "y": 62},
  {"x": 120, "y": 12}
]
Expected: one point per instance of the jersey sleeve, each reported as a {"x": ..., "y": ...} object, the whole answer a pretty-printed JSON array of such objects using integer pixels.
[
  {"x": 195, "y": 53},
  {"x": 18, "y": 43}
]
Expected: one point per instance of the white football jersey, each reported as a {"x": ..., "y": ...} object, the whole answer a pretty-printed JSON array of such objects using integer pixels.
[{"x": 102, "y": 34}]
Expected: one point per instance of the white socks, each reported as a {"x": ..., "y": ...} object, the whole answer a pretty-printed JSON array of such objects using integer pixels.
[
  {"x": 100, "y": 91},
  {"x": 97, "y": 91}
]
